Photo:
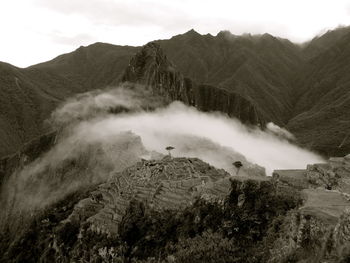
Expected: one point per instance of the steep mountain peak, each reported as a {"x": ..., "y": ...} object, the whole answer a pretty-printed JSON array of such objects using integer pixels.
[
  {"x": 190, "y": 35},
  {"x": 191, "y": 32},
  {"x": 153, "y": 48},
  {"x": 226, "y": 34},
  {"x": 145, "y": 63},
  {"x": 324, "y": 41},
  {"x": 151, "y": 67},
  {"x": 268, "y": 36}
]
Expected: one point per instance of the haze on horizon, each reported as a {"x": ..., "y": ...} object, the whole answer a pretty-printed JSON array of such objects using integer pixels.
[{"x": 34, "y": 31}]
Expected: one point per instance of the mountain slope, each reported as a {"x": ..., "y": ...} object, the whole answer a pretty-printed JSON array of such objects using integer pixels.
[
  {"x": 29, "y": 95},
  {"x": 151, "y": 67},
  {"x": 322, "y": 111},
  {"x": 321, "y": 43},
  {"x": 91, "y": 67},
  {"x": 23, "y": 107},
  {"x": 257, "y": 79},
  {"x": 255, "y": 67}
]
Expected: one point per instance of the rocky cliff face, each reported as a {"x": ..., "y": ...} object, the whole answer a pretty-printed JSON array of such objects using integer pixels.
[
  {"x": 319, "y": 230},
  {"x": 151, "y": 67},
  {"x": 309, "y": 238}
]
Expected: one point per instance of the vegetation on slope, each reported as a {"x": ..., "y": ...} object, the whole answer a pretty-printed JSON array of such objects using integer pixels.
[
  {"x": 233, "y": 231},
  {"x": 29, "y": 95},
  {"x": 322, "y": 110}
]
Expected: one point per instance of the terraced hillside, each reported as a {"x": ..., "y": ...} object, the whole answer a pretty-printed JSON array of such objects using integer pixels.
[
  {"x": 170, "y": 183},
  {"x": 158, "y": 208}
]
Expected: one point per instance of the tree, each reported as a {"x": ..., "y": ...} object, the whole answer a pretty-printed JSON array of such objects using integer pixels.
[
  {"x": 169, "y": 149},
  {"x": 238, "y": 165}
]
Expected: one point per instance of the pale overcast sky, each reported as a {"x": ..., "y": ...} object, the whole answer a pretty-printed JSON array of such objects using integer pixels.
[{"x": 33, "y": 31}]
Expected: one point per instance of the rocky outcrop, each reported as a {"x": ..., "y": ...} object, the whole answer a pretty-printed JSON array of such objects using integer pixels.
[
  {"x": 151, "y": 67},
  {"x": 319, "y": 230},
  {"x": 325, "y": 187},
  {"x": 341, "y": 235},
  {"x": 308, "y": 238},
  {"x": 332, "y": 175}
]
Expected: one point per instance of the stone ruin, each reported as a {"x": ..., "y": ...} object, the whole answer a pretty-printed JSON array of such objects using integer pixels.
[{"x": 169, "y": 183}]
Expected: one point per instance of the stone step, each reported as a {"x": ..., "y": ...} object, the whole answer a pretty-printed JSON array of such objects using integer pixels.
[
  {"x": 120, "y": 202},
  {"x": 117, "y": 217},
  {"x": 178, "y": 189},
  {"x": 191, "y": 182},
  {"x": 169, "y": 200},
  {"x": 143, "y": 196},
  {"x": 144, "y": 190},
  {"x": 222, "y": 188},
  {"x": 166, "y": 205},
  {"x": 116, "y": 208},
  {"x": 176, "y": 196}
]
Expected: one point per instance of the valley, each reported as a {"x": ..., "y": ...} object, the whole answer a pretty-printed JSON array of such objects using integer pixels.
[{"x": 197, "y": 148}]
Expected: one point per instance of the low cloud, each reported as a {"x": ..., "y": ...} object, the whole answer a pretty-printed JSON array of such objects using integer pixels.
[
  {"x": 278, "y": 131},
  {"x": 158, "y": 127},
  {"x": 104, "y": 132}
]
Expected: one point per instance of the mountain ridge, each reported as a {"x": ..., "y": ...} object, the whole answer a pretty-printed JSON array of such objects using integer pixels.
[{"x": 269, "y": 72}]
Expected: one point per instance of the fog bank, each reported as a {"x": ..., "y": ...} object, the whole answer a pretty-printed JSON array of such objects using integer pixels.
[
  {"x": 158, "y": 129},
  {"x": 104, "y": 132}
]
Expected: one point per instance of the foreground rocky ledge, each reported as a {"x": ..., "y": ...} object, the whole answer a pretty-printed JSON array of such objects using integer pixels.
[{"x": 324, "y": 217}]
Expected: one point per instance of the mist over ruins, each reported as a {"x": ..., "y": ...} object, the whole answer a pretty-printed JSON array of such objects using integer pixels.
[{"x": 183, "y": 131}]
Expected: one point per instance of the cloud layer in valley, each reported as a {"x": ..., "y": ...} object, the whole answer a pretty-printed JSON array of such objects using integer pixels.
[
  {"x": 272, "y": 148},
  {"x": 103, "y": 132}
]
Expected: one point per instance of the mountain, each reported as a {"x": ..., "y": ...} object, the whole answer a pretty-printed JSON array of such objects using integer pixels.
[
  {"x": 322, "y": 111},
  {"x": 256, "y": 67},
  {"x": 91, "y": 67},
  {"x": 283, "y": 83},
  {"x": 29, "y": 95},
  {"x": 324, "y": 41},
  {"x": 94, "y": 191},
  {"x": 256, "y": 78},
  {"x": 303, "y": 88},
  {"x": 151, "y": 67}
]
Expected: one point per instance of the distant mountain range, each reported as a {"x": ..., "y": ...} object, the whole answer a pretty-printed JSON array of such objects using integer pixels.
[{"x": 256, "y": 78}]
